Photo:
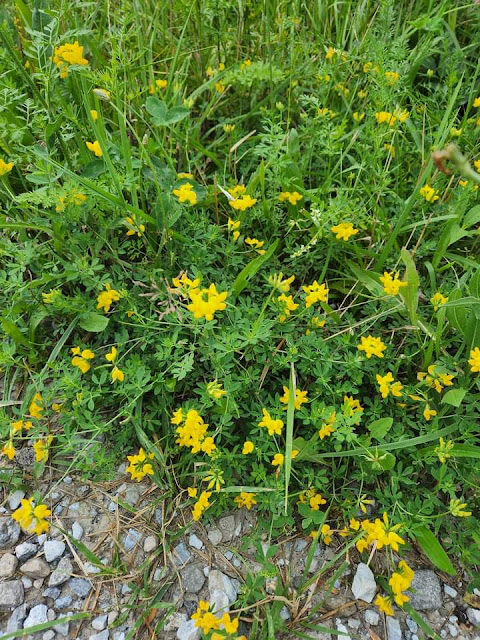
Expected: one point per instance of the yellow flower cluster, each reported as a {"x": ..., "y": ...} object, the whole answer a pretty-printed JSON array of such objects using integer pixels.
[
  {"x": 205, "y": 620},
  {"x": 201, "y": 505},
  {"x": 242, "y": 203},
  {"x": 81, "y": 358},
  {"x": 185, "y": 193},
  {"x": 437, "y": 300},
  {"x": 315, "y": 293},
  {"x": 388, "y": 385},
  {"x": 353, "y": 405},
  {"x": 5, "y": 167},
  {"x": 386, "y": 117},
  {"x": 36, "y": 406},
  {"x": 245, "y": 499},
  {"x": 107, "y": 298},
  {"x": 205, "y": 302},
  {"x": 41, "y": 449},
  {"x": 400, "y": 581},
  {"x": 273, "y": 426},
  {"x": 192, "y": 431},
  {"x": 76, "y": 198},
  {"x": 300, "y": 397},
  {"x": 255, "y": 244},
  {"x": 381, "y": 533},
  {"x": 139, "y": 466},
  {"x": 67, "y": 55},
  {"x": 159, "y": 84},
  {"x": 292, "y": 196},
  {"x": 133, "y": 226},
  {"x": 287, "y": 305},
  {"x": 429, "y": 193},
  {"x": 234, "y": 226},
  {"x": 95, "y": 147},
  {"x": 344, "y": 230},
  {"x": 372, "y": 346},
  {"x": 435, "y": 380},
  {"x": 392, "y": 283},
  {"x": 327, "y": 428},
  {"x": 31, "y": 517},
  {"x": 474, "y": 361}
]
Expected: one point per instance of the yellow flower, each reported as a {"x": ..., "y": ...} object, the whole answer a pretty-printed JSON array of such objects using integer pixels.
[
  {"x": 353, "y": 405},
  {"x": 327, "y": 429},
  {"x": 392, "y": 77},
  {"x": 315, "y": 293},
  {"x": 242, "y": 203},
  {"x": 107, "y": 298},
  {"x": 95, "y": 147},
  {"x": 316, "y": 501},
  {"x": 292, "y": 197},
  {"x": 94, "y": 114},
  {"x": 474, "y": 361},
  {"x": 215, "y": 390},
  {"x": 9, "y": 450},
  {"x": 206, "y": 302},
  {"x": 229, "y": 128},
  {"x": 273, "y": 426},
  {"x": 248, "y": 447},
  {"x": 390, "y": 148},
  {"x": 204, "y": 618},
  {"x": 185, "y": 193},
  {"x": 325, "y": 112},
  {"x": 456, "y": 508},
  {"x": 214, "y": 478},
  {"x": 372, "y": 346},
  {"x": 178, "y": 417},
  {"x": 392, "y": 283},
  {"x": 428, "y": 413},
  {"x": 139, "y": 466},
  {"x": 330, "y": 53},
  {"x": 31, "y": 517},
  {"x": 161, "y": 84},
  {"x": 402, "y": 578},
  {"x": 437, "y": 300},
  {"x": 385, "y": 117},
  {"x": 133, "y": 226},
  {"x": 456, "y": 133},
  {"x": 344, "y": 230},
  {"x": 254, "y": 243},
  {"x": 435, "y": 380},
  {"x": 327, "y": 533},
  {"x": 20, "y": 424},
  {"x": 117, "y": 375},
  {"x": 429, "y": 193},
  {"x": 245, "y": 63},
  {"x": 184, "y": 175},
  {"x": 287, "y": 305},
  {"x": 192, "y": 492},
  {"x": 41, "y": 449},
  {"x": 208, "y": 446},
  {"x": 358, "y": 117},
  {"x": 278, "y": 459},
  {"x": 111, "y": 355},
  {"x": 476, "y": 102},
  {"x": 36, "y": 406},
  {"x": 384, "y": 605},
  {"x": 200, "y": 506},
  {"x": 57, "y": 407},
  {"x": 67, "y": 55},
  {"x": 5, "y": 167},
  {"x": 278, "y": 282},
  {"x": 245, "y": 499},
  {"x": 233, "y": 225},
  {"x": 300, "y": 397},
  {"x": 443, "y": 451},
  {"x": 80, "y": 358},
  {"x": 78, "y": 198},
  {"x": 369, "y": 66},
  {"x": 219, "y": 87},
  {"x": 387, "y": 385},
  {"x": 354, "y": 524}
]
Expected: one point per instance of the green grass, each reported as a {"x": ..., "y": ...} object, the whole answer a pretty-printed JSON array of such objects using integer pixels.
[{"x": 304, "y": 120}]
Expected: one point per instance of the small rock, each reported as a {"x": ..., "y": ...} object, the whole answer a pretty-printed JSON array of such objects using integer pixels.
[
  {"x": 394, "y": 631},
  {"x": 181, "y": 555},
  {"x": 9, "y": 533},
  {"x": 80, "y": 586},
  {"x": 62, "y": 573},
  {"x": 188, "y": 631},
  {"x": 219, "y": 581},
  {"x": 27, "y": 583},
  {"x": 341, "y": 627},
  {"x": 68, "y": 480},
  {"x": 35, "y": 568},
  {"x": 11, "y": 594},
  {"x": 91, "y": 568},
  {"x": 364, "y": 585},
  {"x": 474, "y": 616},
  {"x": 15, "y": 622},
  {"x": 284, "y": 613},
  {"x": 353, "y": 623},
  {"x": 449, "y": 591},
  {"x": 453, "y": 630},
  {"x": 132, "y": 495},
  {"x": 77, "y": 531},
  {"x": 190, "y": 607},
  {"x": 51, "y": 592},
  {"x": 119, "y": 635},
  {"x": 103, "y": 635},
  {"x": 48, "y": 635},
  {"x": 38, "y": 584},
  {"x": 112, "y": 616},
  {"x": 37, "y": 615},
  {"x": 428, "y": 592},
  {"x": 63, "y": 602},
  {"x": 100, "y": 622},
  {"x": 63, "y": 628},
  {"x": 192, "y": 578},
  {"x": 206, "y": 571},
  {"x": 15, "y": 499},
  {"x": 175, "y": 621},
  {"x": 411, "y": 624},
  {"x": 195, "y": 542},
  {"x": 25, "y": 550},
  {"x": 219, "y": 601},
  {"x": 215, "y": 536},
  {"x": 371, "y": 617},
  {"x": 228, "y": 555},
  {"x": 158, "y": 517},
  {"x": 8, "y": 564},
  {"x": 51, "y": 615},
  {"x": 150, "y": 544},
  {"x": 41, "y": 538},
  {"x": 132, "y": 539},
  {"x": 53, "y": 549},
  {"x": 227, "y": 527}
]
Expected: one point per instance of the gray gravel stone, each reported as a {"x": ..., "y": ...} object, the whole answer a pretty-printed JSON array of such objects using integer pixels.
[
  {"x": 150, "y": 544},
  {"x": 371, "y": 617},
  {"x": 158, "y": 517},
  {"x": 411, "y": 624},
  {"x": 27, "y": 582},
  {"x": 341, "y": 627},
  {"x": 364, "y": 585},
  {"x": 428, "y": 592},
  {"x": 53, "y": 549},
  {"x": 80, "y": 586},
  {"x": 181, "y": 555},
  {"x": 132, "y": 495},
  {"x": 37, "y": 615},
  {"x": 35, "y": 568},
  {"x": 394, "y": 631},
  {"x": 192, "y": 578},
  {"x": 63, "y": 628},
  {"x": 62, "y": 573},
  {"x": 175, "y": 621},
  {"x": 100, "y": 622},
  {"x": 218, "y": 581},
  {"x": 9, "y": 532},
  {"x": 15, "y": 498},
  {"x": 25, "y": 550},
  {"x": 474, "y": 616},
  {"x": 449, "y": 591},
  {"x": 215, "y": 536},
  {"x": 68, "y": 480},
  {"x": 103, "y": 635},
  {"x": 15, "y": 622},
  {"x": 11, "y": 594},
  {"x": 453, "y": 630},
  {"x": 188, "y": 631},
  {"x": 51, "y": 592},
  {"x": 38, "y": 584},
  {"x": 131, "y": 540},
  {"x": 8, "y": 564},
  {"x": 195, "y": 542},
  {"x": 227, "y": 527},
  {"x": 49, "y": 635},
  {"x": 219, "y": 601},
  {"x": 77, "y": 531},
  {"x": 63, "y": 602}
]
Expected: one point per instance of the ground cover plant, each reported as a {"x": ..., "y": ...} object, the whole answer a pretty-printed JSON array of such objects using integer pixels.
[{"x": 233, "y": 251}]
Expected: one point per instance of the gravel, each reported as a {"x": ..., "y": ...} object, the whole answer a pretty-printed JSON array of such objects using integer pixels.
[
  {"x": 11, "y": 594},
  {"x": 8, "y": 565},
  {"x": 15, "y": 499},
  {"x": 215, "y": 536},
  {"x": 9, "y": 532},
  {"x": 364, "y": 585},
  {"x": 426, "y": 594},
  {"x": 25, "y": 550},
  {"x": 37, "y": 615},
  {"x": 53, "y": 549},
  {"x": 474, "y": 616},
  {"x": 181, "y": 555},
  {"x": 62, "y": 573},
  {"x": 35, "y": 568},
  {"x": 195, "y": 542},
  {"x": 80, "y": 587},
  {"x": 193, "y": 578},
  {"x": 394, "y": 631},
  {"x": 188, "y": 631}
]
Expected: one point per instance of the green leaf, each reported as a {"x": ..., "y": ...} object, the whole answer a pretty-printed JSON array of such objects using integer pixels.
[
  {"x": 472, "y": 217},
  {"x": 14, "y": 332},
  {"x": 410, "y": 292},
  {"x": 247, "y": 273},
  {"x": 157, "y": 109},
  {"x": 175, "y": 114},
  {"x": 379, "y": 428},
  {"x": 420, "y": 621},
  {"x": 93, "y": 322},
  {"x": 454, "y": 397},
  {"x": 433, "y": 549},
  {"x": 474, "y": 284},
  {"x": 456, "y": 316}
]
